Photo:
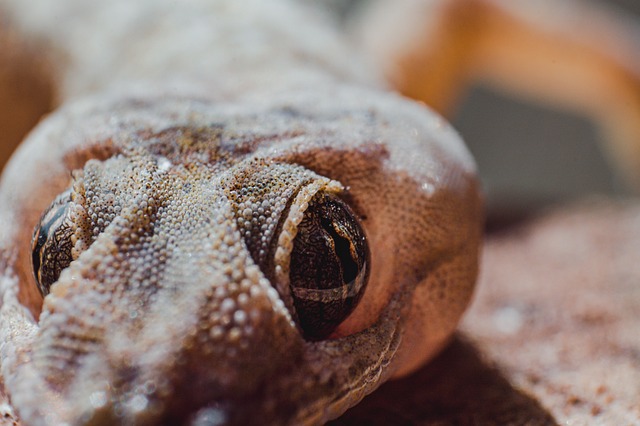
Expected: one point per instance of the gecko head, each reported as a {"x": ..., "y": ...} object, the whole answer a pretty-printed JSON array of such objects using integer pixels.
[{"x": 193, "y": 277}]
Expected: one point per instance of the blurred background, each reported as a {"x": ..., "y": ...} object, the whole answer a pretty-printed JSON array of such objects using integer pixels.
[
  {"x": 533, "y": 157},
  {"x": 530, "y": 156}
]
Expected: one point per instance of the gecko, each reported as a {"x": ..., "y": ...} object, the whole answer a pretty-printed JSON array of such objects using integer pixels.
[
  {"x": 145, "y": 113},
  {"x": 229, "y": 219}
]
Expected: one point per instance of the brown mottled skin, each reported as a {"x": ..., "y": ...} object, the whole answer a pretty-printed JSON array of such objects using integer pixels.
[
  {"x": 197, "y": 149},
  {"x": 189, "y": 168}
]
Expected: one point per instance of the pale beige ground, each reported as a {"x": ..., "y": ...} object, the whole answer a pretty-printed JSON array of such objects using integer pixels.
[{"x": 553, "y": 336}]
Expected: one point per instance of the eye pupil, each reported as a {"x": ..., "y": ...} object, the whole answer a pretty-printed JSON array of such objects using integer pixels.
[
  {"x": 328, "y": 267},
  {"x": 51, "y": 245},
  {"x": 343, "y": 249}
]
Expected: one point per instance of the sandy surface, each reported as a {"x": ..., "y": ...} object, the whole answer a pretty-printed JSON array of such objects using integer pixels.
[{"x": 553, "y": 336}]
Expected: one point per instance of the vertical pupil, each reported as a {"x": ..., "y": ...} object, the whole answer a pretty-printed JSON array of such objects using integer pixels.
[
  {"x": 343, "y": 251},
  {"x": 36, "y": 253},
  {"x": 51, "y": 245},
  {"x": 328, "y": 266}
]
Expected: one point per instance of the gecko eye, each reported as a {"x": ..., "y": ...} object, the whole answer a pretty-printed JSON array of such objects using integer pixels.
[
  {"x": 51, "y": 244},
  {"x": 329, "y": 266}
]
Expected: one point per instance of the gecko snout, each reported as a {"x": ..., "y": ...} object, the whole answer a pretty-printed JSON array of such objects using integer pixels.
[{"x": 222, "y": 307}]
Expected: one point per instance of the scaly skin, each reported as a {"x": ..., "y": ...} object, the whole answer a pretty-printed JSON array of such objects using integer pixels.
[{"x": 188, "y": 171}]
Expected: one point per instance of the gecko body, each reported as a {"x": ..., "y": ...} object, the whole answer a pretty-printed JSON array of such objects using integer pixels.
[{"x": 220, "y": 241}]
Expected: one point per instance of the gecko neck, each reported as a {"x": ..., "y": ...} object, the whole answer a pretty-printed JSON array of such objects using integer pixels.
[{"x": 243, "y": 47}]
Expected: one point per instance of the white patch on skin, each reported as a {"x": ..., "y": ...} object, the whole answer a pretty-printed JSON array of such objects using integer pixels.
[
  {"x": 98, "y": 399},
  {"x": 139, "y": 403},
  {"x": 508, "y": 320},
  {"x": 164, "y": 164}
]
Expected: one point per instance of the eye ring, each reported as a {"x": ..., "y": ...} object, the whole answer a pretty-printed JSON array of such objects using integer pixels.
[{"x": 329, "y": 265}]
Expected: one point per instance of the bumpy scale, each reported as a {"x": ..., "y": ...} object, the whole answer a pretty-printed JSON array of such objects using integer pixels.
[{"x": 248, "y": 242}]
